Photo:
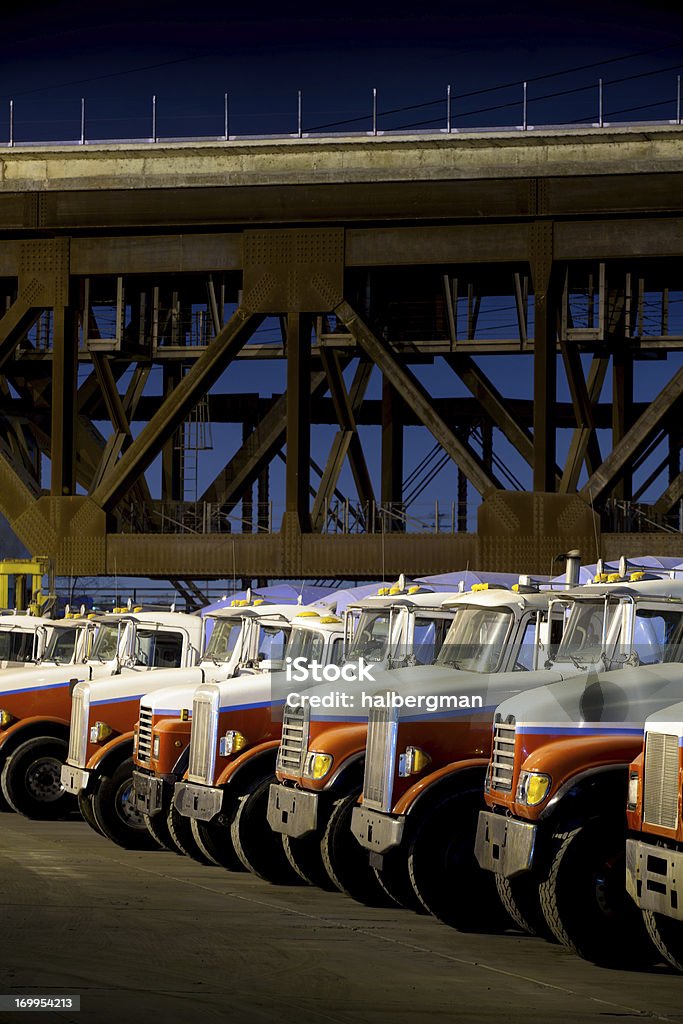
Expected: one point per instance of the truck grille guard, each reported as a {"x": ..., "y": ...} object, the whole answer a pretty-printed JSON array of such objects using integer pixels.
[
  {"x": 293, "y": 747},
  {"x": 78, "y": 731},
  {"x": 660, "y": 780},
  {"x": 503, "y": 755},
  {"x": 204, "y": 736},
  {"x": 145, "y": 735},
  {"x": 380, "y": 759}
]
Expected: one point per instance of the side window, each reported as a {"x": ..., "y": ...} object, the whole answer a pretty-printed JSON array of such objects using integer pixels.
[
  {"x": 424, "y": 641},
  {"x": 22, "y": 646},
  {"x": 168, "y": 650},
  {"x": 5, "y": 645},
  {"x": 337, "y": 652},
  {"x": 525, "y": 656}
]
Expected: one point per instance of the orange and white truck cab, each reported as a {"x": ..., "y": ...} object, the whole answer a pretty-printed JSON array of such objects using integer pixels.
[
  {"x": 428, "y": 742},
  {"x": 34, "y": 715},
  {"x": 320, "y": 760},
  {"x": 654, "y": 849},
  {"x": 554, "y": 834},
  {"x": 129, "y": 649},
  {"x": 236, "y": 728},
  {"x": 22, "y": 639},
  {"x": 163, "y": 735}
]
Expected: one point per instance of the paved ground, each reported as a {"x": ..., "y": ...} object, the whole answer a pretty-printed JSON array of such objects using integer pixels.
[{"x": 154, "y": 937}]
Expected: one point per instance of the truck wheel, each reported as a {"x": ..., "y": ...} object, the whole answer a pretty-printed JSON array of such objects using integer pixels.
[
  {"x": 158, "y": 828},
  {"x": 213, "y": 841},
  {"x": 257, "y": 846},
  {"x": 444, "y": 871},
  {"x": 667, "y": 935},
  {"x": 346, "y": 861},
  {"x": 585, "y": 902},
  {"x": 520, "y": 898},
  {"x": 394, "y": 877},
  {"x": 115, "y": 812},
  {"x": 87, "y": 813},
  {"x": 177, "y": 832},
  {"x": 305, "y": 856},
  {"x": 31, "y": 779}
]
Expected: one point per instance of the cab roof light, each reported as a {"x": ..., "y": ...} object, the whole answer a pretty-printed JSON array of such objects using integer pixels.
[
  {"x": 308, "y": 615},
  {"x": 328, "y": 619}
]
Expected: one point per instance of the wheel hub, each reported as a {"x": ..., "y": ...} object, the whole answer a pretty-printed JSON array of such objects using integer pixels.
[
  {"x": 126, "y": 809},
  {"x": 43, "y": 779}
]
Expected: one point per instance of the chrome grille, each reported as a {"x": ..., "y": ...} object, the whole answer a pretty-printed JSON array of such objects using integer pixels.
[
  {"x": 204, "y": 736},
  {"x": 294, "y": 741},
  {"x": 380, "y": 758},
  {"x": 78, "y": 733},
  {"x": 660, "y": 782},
  {"x": 145, "y": 735},
  {"x": 503, "y": 756}
]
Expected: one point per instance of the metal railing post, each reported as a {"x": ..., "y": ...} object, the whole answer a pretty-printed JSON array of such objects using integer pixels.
[
  {"x": 374, "y": 111},
  {"x": 299, "y": 123},
  {"x": 600, "y": 120},
  {"x": 226, "y": 117},
  {"x": 82, "y": 120},
  {"x": 524, "y": 108},
  {"x": 154, "y": 119},
  {"x": 448, "y": 109},
  {"x": 11, "y": 122}
]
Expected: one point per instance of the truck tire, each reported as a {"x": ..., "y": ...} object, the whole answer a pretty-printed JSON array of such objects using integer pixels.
[
  {"x": 444, "y": 871},
  {"x": 176, "y": 830},
  {"x": 667, "y": 936},
  {"x": 347, "y": 863},
  {"x": 87, "y": 813},
  {"x": 394, "y": 877},
  {"x": 520, "y": 898},
  {"x": 31, "y": 779},
  {"x": 305, "y": 856},
  {"x": 213, "y": 842},
  {"x": 585, "y": 902},
  {"x": 257, "y": 846},
  {"x": 158, "y": 828},
  {"x": 115, "y": 813}
]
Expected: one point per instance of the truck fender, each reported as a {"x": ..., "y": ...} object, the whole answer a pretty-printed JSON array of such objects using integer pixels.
[
  {"x": 449, "y": 779},
  {"x": 258, "y": 761},
  {"x": 348, "y": 775},
  {"x": 108, "y": 757},
  {"x": 28, "y": 728},
  {"x": 599, "y": 791}
]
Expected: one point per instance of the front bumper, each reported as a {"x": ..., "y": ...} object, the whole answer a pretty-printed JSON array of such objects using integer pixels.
[
  {"x": 375, "y": 830},
  {"x": 150, "y": 793},
  {"x": 75, "y": 780},
  {"x": 293, "y": 812},
  {"x": 654, "y": 878},
  {"x": 193, "y": 800},
  {"x": 505, "y": 845}
]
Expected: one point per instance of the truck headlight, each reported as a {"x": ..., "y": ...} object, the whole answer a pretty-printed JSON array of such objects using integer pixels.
[
  {"x": 533, "y": 788},
  {"x": 156, "y": 746},
  {"x": 232, "y": 742},
  {"x": 633, "y": 788},
  {"x": 412, "y": 762},
  {"x": 5, "y": 718},
  {"x": 318, "y": 765},
  {"x": 100, "y": 732}
]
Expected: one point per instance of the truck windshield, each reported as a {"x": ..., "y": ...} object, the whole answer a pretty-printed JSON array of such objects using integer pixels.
[
  {"x": 657, "y": 633},
  {"x": 305, "y": 643},
  {"x": 371, "y": 638},
  {"x": 224, "y": 637},
  {"x": 16, "y": 645},
  {"x": 476, "y": 640},
  {"x": 62, "y": 644},
  {"x": 106, "y": 643}
]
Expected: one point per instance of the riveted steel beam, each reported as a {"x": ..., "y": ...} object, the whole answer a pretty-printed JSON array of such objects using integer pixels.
[
  {"x": 585, "y": 406},
  {"x": 414, "y": 394},
  {"x": 200, "y": 378},
  {"x": 622, "y": 455}
]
